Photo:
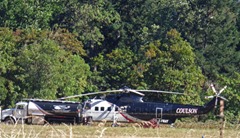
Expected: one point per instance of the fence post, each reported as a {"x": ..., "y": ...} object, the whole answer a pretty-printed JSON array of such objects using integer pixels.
[{"x": 221, "y": 117}]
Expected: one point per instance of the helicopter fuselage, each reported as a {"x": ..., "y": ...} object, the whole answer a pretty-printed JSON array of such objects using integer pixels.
[
  {"x": 163, "y": 112},
  {"x": 133, "y": 109}
]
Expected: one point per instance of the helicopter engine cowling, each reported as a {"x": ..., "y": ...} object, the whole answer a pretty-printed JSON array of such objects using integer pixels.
[{"x": 124, "y": 98}]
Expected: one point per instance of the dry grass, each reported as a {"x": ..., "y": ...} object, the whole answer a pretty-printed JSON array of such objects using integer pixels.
[{"x": 181, "y": 130}]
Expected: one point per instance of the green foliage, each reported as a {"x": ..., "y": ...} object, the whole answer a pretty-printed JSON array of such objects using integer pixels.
[
  {"x": 171, "y": 66},
  {"x": 25, "y": 14},
  {"x": 73, "y": 77},
  {"x": 67, "y": 41},
  {"x": 212, "y": 31},
  {"x": 232, "y": 109},
  {"x": 47, "y": 70},
  {"x": 116, "y": 67},
  {"x": 7, "y": 50},
  {"x": 7, "y": 67},
  {"x": 167, "y": 45},
  {"x": 90, "y": 20},
  {"x": 41, "y": 64}
]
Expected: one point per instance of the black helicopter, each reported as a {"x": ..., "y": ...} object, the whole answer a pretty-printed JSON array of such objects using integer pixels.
[{"x": 128, "y": 106}]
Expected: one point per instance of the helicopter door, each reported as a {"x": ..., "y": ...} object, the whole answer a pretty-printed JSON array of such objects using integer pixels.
[{"x": 159, "y": 112}]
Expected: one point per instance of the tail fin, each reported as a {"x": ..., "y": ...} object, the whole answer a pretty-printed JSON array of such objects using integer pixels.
[{"x": 209, "y": 106}]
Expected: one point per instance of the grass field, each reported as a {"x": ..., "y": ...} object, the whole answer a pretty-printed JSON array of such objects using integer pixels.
[{"x": 181, "y": 130}]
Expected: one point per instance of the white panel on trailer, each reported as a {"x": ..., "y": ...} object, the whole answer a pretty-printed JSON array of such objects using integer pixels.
[{"x": 33, "y": 110}]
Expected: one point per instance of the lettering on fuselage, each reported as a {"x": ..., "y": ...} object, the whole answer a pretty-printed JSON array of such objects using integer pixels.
[
  {"x": 186, "y": 110},
  {"x": 165, "y": 121}
]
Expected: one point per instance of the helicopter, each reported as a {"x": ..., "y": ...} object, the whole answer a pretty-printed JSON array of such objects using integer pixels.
[{"x": 127, "y": 105}]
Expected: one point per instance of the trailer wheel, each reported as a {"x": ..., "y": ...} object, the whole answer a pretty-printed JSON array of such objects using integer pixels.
[{"x": 9, "y": 121}]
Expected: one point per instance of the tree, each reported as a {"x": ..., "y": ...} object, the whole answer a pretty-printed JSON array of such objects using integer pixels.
[
  {"x": 41, "y": 64},
  {"x": 171, "y": 66},
  {"x": 46, "y": 70},
  {"x": 73, "y": 69},
  {"x": 91, "y": 20},
  {"x": 163, "y": 66},
  {"x": 232, "y": 110},
  {"x": 25, "y": 14},
  {"x": 212, "y": 31},
  {"x": 116, "y": 68},
  {"x": 8, "y": 50},
  {"x": 67, "y": 41}
]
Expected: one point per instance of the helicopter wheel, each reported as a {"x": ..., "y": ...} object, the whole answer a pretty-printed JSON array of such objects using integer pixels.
[{"x": 89, "y": 121}]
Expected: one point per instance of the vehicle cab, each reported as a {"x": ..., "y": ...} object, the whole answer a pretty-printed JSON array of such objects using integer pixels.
[
  {"x": 15, "y": 115},
  {"x": 20, "y": 111}
]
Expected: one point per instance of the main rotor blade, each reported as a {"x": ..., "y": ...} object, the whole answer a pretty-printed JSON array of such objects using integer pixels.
[
  {"x": 157, "y": 91},
  {"x": 135, "y": 91},
  {"x": 92, "y": 93}
]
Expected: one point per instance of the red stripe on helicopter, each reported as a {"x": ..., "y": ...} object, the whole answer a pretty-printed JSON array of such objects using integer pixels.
[{"x": 129, "y": 120}]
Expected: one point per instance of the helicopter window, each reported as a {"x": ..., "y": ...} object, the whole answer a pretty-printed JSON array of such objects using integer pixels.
[
  {"x": 96, "y": 108},
  {"x": 109, "y": 108},
  {"x": 116, "y": 109},
  {"x": 87, "y": 106},
  {"x": 102, "y": 108}
]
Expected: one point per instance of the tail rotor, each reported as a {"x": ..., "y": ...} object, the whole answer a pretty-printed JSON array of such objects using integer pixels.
[{"x": 217, "y": 95}]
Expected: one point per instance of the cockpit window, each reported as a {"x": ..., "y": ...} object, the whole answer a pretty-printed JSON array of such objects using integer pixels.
[
  {"x": 79, "y": 106},
  {"x": 87, "y": 106},
  {"x": 20, "y": 106}
]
